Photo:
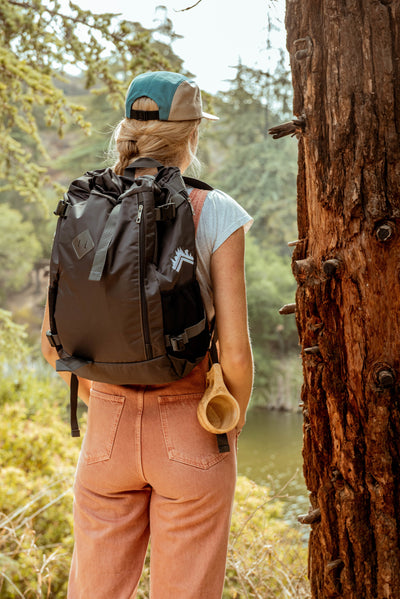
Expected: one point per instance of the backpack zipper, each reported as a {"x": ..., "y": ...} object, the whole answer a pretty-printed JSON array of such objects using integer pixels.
[
  {"x": 139, "y": 214},
  {"x": 143, "y": 303}
]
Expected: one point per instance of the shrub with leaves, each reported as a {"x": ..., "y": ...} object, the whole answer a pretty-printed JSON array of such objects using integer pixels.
[
  {"x": 37, "y": 459},
  {"x": 38, "y": 40},
  {"x": 266, "y": 556}
]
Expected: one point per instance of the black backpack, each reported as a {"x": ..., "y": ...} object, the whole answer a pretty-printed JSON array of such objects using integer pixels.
[{"x": 124, "y": 302}]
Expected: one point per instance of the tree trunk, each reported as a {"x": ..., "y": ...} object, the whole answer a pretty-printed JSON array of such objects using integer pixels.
[{"x": 345, "y": 60}]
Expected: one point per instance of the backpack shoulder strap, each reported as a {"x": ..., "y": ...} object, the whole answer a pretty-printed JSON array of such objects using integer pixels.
[
  {"x": 196, "y": 183},
  {"x": 197, "y": 199}
]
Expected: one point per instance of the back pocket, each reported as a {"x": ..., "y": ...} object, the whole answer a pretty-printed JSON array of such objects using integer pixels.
[
  {"x": 185, "y": 439},
  {"x": 103, "y": 418}
]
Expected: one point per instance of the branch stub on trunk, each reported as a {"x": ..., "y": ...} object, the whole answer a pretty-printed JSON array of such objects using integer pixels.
[
  {"x": 385, "y": 231},
  {"x": 331, "y": 266},
  {"x": 294, "y": 127},
  {"x": 312, "y": 350},
  {"x": 311, "y": 518},
  {"x": 302, "y": 269},
  {"x": 288, "y": 309},
  {"x": 385, "y": 378},
  {"x": 303, "y": 52},
  {"x": 334, "y": 565}
]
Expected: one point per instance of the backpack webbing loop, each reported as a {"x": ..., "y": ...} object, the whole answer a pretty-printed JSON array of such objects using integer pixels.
[
  {"x": 73, "y": 404},
  {"x": 165, "y": 212},
  {"x": 105, "y": 240},
  {"x": 62, "y": 208}
]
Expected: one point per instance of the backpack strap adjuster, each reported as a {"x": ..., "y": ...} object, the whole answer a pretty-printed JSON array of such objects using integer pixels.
[
  {"x": 54, "y": 340},
  {"x": 62, "y": 208},
  {"x": 179, "y": 343},
  {"x": 165, "y": 212}
]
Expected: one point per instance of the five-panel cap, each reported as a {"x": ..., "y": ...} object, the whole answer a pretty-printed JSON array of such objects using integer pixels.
[{"x": 177, "y": 97}]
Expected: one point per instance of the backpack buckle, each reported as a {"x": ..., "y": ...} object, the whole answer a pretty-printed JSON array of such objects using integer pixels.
[
  {"x": 62, "y": 208},
  {"x": 54, "y": 340},
  {"x": 179, "y": 342},
  {"x": 165, "y": 211}
]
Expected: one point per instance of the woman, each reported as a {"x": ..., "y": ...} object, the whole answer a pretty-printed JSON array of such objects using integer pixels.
[{"x": 160, "y": 473}]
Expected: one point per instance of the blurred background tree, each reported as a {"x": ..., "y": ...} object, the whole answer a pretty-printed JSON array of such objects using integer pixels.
[
  {"x": 240, "y": 158},
  {"x": 38, "y": 40}
]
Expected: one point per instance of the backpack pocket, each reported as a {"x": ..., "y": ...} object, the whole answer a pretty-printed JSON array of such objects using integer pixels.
[{"x": 182, "y": 310}]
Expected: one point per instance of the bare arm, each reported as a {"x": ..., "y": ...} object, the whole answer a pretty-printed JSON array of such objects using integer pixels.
[
  {"x": 50, "y": 355},
  {"x": 227, "y": 273}
]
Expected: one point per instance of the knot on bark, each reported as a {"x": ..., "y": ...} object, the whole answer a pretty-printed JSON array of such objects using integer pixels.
[
  {"x": 384, "y": 376},
  {"x": 385, "y": 231},
  {"x": 331, "y": 266}
]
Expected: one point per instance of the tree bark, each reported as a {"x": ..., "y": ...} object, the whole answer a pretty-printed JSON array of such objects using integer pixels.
[{"x": 345, "y": 61}]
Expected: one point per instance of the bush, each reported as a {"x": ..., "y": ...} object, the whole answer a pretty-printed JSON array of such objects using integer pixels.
[
  {"x": 266, "y": 556},
  {"x": 37, "y": 457}
]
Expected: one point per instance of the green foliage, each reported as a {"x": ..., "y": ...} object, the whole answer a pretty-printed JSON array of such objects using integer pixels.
[
  {"x": 37, "y": 458},
  {"x": 260, "y": 174},
  {"x": 270, "y": 284},
  {"x": 12, "y": 340},
  {"x": 282, "y": 387},
  {"x": 255, "y": 100},
  {"x": 78, "y": 152},
  {"x": 254, "y": 169},
  {"x": 19, "y": 250},
  {"x": 37, "y": 41},
  {"x": 266, "y": 557}
]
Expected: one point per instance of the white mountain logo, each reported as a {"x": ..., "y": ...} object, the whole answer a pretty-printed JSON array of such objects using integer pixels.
[{"x": 180, "y": 257}]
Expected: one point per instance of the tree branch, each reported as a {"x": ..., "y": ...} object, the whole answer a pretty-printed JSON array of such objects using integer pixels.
[
  {"x": 189, "y": 7},
  {"x": 72, "y": 19}
]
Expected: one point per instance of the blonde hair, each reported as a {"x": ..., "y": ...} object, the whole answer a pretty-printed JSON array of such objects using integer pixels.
[{"x": 173, "y": 143}]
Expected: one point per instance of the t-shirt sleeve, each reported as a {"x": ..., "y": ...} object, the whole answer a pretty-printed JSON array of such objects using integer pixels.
[{"x": 220, "y": 217}]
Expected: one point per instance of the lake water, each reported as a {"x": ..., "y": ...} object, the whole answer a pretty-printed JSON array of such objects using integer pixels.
[{"x": 270, "y": 454}]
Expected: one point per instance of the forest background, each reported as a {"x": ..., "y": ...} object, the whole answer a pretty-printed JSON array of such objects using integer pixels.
[
  {"x": 237, "y": 155},
  {"x": 56, "y": 126}
]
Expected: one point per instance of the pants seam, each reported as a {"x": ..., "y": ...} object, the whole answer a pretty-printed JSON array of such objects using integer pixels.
[{"x": 138, "y": 432}]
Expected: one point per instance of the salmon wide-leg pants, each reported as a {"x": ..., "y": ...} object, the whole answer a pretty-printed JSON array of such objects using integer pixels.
[{"x": 147, "y": 469}]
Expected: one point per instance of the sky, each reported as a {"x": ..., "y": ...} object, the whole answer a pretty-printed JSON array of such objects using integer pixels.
[{"x": 217, "y": 33}]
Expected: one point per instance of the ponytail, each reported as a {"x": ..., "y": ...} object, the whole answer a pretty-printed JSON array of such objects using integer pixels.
[{"x": 173, "y": 143}]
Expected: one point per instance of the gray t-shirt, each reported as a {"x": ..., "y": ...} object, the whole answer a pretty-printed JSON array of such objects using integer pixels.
[{"x": 220, "y": 217}]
